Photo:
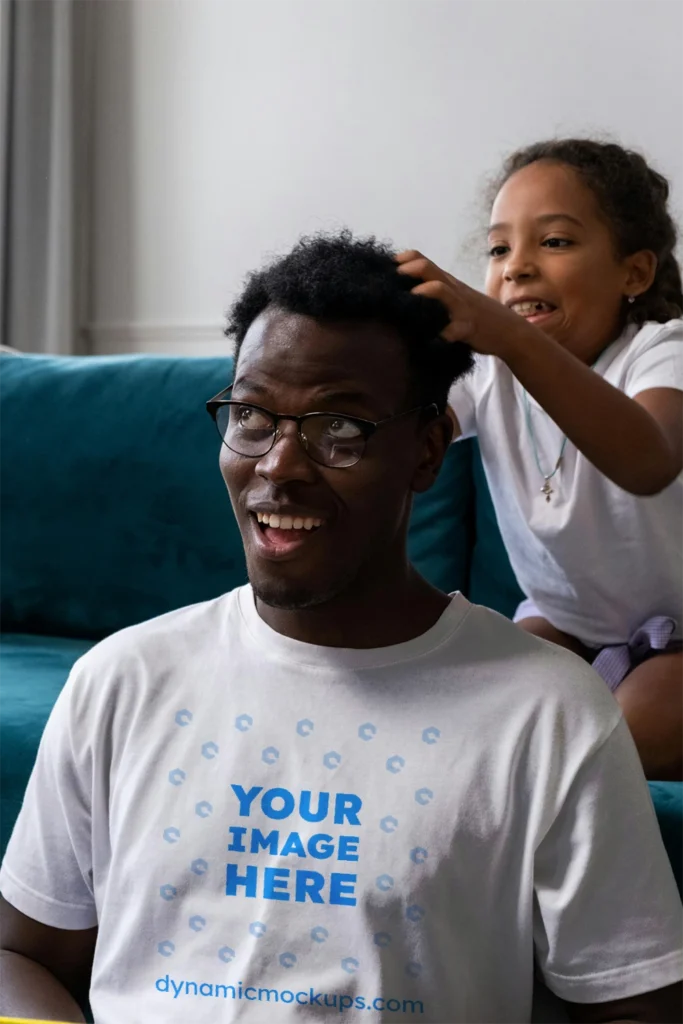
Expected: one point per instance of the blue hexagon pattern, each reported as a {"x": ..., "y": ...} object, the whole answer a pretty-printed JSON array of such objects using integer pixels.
[
  {"x": 304, "y": 727},
  {"x": 415, "y": 913},
  {"x": 183, "y": 717},
  {"x": 166, "y": 948},
  {"x": 270, "y": 755},
  {"x": 226, "y": 954},
  {"x": 287, "y": 959},
  {"x": 424, "y": 796},
  {"x": 244, "y": 722},
  {"x": 384, "y": 883},
  {"x": 332, "y": 759},
  {"x": 350, "y": 964},
  {"x": 209, "y": 750},
  {"x": 199, "y": 866},
  {"x": 319, "y": 934},
  {"x": 367, "y": 731},
  {"x": 388, "y": 824}
]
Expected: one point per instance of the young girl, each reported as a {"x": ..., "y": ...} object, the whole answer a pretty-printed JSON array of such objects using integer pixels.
[{"x": 576, "y": 399}]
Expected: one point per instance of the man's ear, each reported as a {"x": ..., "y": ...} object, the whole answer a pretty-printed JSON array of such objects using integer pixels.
[{"x": 436, "y": 438}]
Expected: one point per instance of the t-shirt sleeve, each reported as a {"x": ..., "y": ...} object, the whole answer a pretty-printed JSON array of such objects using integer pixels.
[
  {"x": 607, "y": 916},
  {"x": 47, "y": 872},
  {"x": 465, "y": 395},
  {"x": 461, "y": 401},
  {"x": 659, "y": 364}
]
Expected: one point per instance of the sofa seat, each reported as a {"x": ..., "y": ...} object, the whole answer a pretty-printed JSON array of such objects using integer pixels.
[
  {"x": 668, "y": 800},
  {"x": 33, "y": 670}
]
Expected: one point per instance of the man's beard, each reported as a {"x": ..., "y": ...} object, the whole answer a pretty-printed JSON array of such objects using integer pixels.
[{"x": 294, "y": 597}]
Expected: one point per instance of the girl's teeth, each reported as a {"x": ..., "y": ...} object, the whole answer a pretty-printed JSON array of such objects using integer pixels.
[
  {"x": 530, "y": 308},
  {"x": 298, "y": 524}
]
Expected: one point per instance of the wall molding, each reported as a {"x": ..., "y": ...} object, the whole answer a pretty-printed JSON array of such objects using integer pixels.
[{"x": 173, "y": 339}]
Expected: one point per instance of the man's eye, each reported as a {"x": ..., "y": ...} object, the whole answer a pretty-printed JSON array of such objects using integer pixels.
[
  {"x": 343, "y": 430},
  {"x": 252, "y": 419},
  {"x": 557, "y": 243}
]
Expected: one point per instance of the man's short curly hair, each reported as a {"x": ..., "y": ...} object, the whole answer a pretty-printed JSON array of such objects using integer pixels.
[{"x": 341, "y": 279}]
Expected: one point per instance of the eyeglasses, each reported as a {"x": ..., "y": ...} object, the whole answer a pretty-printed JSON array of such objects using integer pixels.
[{"x": 328, "y": 438}]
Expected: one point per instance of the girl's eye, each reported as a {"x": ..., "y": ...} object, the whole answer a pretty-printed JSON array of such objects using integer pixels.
[
  {"x": 557, "y": 243},
  {"x": 498, "y": 250}
]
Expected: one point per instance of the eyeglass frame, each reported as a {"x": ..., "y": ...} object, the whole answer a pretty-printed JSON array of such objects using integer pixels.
[{"x": 368, "y": 427}]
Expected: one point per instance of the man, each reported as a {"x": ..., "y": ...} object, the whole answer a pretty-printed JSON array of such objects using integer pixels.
[{"x": 337, "y": 790}]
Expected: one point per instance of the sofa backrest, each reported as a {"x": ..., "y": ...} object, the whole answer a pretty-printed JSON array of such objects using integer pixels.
[{"x": 113, "y": 507}]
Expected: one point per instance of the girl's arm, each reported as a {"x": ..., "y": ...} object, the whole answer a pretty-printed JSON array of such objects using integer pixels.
[{"x": 636, "y": 442}]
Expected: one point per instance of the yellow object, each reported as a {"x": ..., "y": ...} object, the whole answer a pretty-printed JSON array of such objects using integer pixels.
[{"x": 30, "y": 1020}]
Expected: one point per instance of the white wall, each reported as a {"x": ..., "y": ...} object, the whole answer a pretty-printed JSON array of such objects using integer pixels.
[{"x": 225, "y": 129}]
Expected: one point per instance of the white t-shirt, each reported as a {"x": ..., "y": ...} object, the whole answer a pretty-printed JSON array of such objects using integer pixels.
[
  {"x": 259, "y": 825},
  {"x": 596, "y": 560}
]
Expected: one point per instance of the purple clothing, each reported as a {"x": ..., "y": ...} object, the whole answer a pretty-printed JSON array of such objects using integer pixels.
[{"x": 614, "y": 663}]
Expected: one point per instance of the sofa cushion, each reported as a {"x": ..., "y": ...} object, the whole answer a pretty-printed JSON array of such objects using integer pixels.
[
  {"x": 113, "y": 506},
  {"x": 668, "y": 800},
  {"x": 33, "y": 670},
  {"x": 440, "y": 536},
  {"x": 491, "y": 581}
]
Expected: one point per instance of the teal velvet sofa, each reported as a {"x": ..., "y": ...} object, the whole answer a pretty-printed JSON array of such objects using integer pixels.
[{"x": 113, "y": 511}]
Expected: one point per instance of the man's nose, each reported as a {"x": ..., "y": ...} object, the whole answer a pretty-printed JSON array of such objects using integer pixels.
[{"x": 287, "y": 459}]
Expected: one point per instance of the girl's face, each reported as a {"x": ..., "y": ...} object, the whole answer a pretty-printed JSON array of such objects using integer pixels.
[{"x": 552, "y": 259}]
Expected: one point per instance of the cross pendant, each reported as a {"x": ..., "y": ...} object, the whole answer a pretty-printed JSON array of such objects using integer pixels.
[{"x": 547, "y": 490}]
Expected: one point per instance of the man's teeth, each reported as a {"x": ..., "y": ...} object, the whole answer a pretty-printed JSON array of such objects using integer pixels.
[
  {"x": 288, "y": 522},
  {"x": 530, "y": 308}
]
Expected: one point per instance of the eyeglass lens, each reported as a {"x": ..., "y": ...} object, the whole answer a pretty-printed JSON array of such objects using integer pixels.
[{"x": 330, "y": 440}]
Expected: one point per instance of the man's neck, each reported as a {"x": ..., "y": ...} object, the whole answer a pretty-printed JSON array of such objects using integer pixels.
[{"x": 366, "y": 616}]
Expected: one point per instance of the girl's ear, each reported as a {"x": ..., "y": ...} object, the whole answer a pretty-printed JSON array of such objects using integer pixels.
[
  {"x": 437, "y": 436},
  {"x": 641, "y": 268}
]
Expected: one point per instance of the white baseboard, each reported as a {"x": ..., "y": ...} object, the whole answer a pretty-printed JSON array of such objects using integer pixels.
[{"x": 156, "y": 339}]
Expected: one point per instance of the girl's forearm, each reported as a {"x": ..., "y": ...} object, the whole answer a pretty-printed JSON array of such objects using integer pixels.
[{"x": 616, "y": 434}]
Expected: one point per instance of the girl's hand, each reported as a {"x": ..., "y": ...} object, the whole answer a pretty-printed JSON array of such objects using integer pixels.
[{"x": 486, "y": 325}]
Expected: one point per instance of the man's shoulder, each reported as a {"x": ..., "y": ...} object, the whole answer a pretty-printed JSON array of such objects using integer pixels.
[
  {"x": 162, "y": 642},
  {"x": 543, "y": 675}
]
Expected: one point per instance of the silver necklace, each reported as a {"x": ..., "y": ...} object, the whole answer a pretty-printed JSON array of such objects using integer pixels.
[
  {"x": 546, "y": 489},
  {"x": 547, "y": 477}
]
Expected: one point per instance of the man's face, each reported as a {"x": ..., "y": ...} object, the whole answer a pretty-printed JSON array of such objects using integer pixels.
[{"x": 291, "y": 364}]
